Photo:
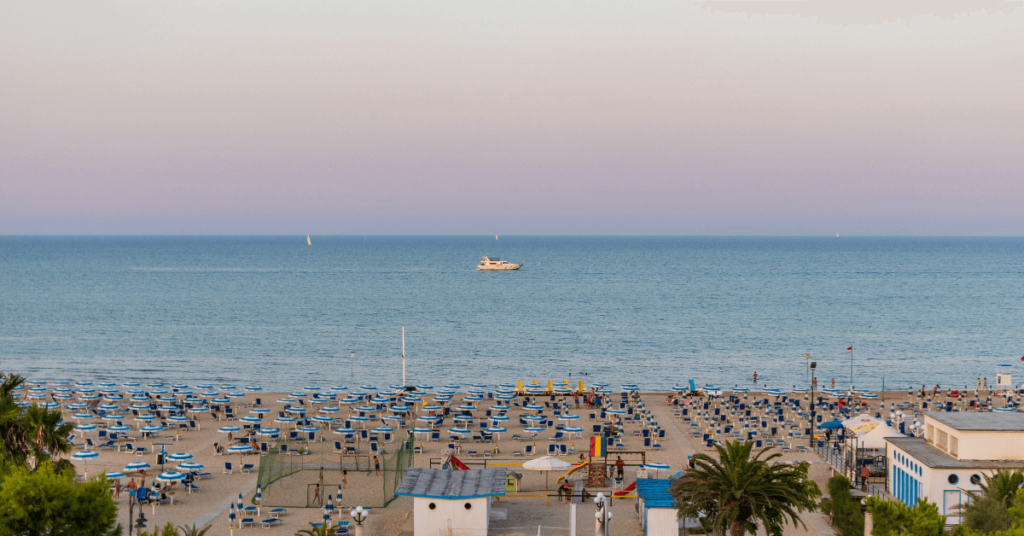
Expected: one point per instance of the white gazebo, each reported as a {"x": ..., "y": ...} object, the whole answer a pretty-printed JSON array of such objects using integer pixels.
[{"x": 451, "y": 500}]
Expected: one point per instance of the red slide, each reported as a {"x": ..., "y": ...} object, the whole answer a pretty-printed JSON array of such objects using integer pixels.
[
  {"x": 458, "y": 464},
  {"x": 628, "y": 489}
]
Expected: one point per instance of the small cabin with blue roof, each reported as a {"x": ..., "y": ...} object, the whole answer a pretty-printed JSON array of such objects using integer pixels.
[
  {"x": 459, "y": 501},
  {"x": 657, "y": 507}
]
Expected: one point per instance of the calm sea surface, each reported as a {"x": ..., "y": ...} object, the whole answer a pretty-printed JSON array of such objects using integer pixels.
[{"x": 655, "y": 311}]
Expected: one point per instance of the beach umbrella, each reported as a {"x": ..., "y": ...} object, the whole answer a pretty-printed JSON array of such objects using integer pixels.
[
  {"x": 499, "y": 408},
  {"x": 365, "y": 408},
  {"x": 240, "y": 449},
  {"x": 253, "y": 388},
  {"x": 497, "y": 430},
  {"x": 204, "y": 386},
  {"x": 466, "y": 408},
  {"x": 307, "y": 429},
  {"x": 534, "y": 429},
  {"x": 367, "y": 387},
  {"x": 657, "y": 466},
  {"x": 259, "y": 411},
  {"x": 268, "y": 431},
  {"x": 178, "y": 418},
  {"x": 180, "y": 456},
  {"x": 400, "y": 408},
  {"x": 171, "y": 476},
  {"x": 411, "y": 399},
  {"x": 85, "y": 427},
  {"x": 80, "y": 416},
  {"x": 121, "y": 428},
  {"x": 432, "y": 408},
  {"x": 229, "y": 429},
  {"x": 85, "y": 456},
  {"x": 339, "y": 388},
  {"x": 460, "y": 431},
  {"x": 383, "y": 430},
  {"x": 568, "y": 417},
  {"x": 443, "y": 398},
  {"x": 357, "y": 418},
  {"x": 136, "y": 466},
  {"x": 63, "y": 396},
  {"x": 112, "y": 417},
  {"x": 533, "y": 407},
  {"x": 344, "y": 431},
  {"x": 298, "y": 411},
  {"x": 220, "y": 401},
  {"x": 329, "y": 409},
  {"x": 322, "y": 419},
  {"x": 286, "y": 420},
  {"x": 190, "y": 467},
  {"x": 499, "y": 418},
  {"x": 422, "y": 430},
  {"x": 231, "y": 516},
  {"x": 151, "y": 429},
  {"x": 546, "y": 463},
  {"x": 179, "y": 386},
  {"x": 466, "y": 418},
  {"x": 107, "y": 384},
  {"x": 259, "y": 495},
  {"x": 474, "y": 399},
  {"x": 533, "y": 418},
  {"x": 616, "y": 411},
  {"x": 114, "y": 475}
]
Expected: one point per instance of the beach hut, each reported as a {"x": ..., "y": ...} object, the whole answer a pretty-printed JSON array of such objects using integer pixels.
[
  {"x": 457, "y": 501},
  {"x": 656, "y": 507}
]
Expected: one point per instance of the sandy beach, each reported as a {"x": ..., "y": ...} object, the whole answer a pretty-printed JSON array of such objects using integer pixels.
[{"x": 515, "y": 514}]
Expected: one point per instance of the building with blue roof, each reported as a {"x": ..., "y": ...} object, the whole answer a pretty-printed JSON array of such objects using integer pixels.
[{"x": 657, "y": 507}]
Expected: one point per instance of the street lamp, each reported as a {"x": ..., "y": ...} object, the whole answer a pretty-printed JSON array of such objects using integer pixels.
[
  {"x": 602, "y": 515},
  {"x": 810, "y": 438},
  {"x": 359, "y": 515}
]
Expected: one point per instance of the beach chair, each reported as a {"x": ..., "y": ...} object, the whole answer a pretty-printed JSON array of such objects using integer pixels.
[
  {"x": 435, "y": 436},
  {"x": 563, "y": 450},
  {"x": 140, "y": 451},
  {"x": 517, "y": 453},
  {"x": 228, "y": 469},
  {"x": 270, "y": 522},
  {"x": 471, "y": 453},
  {"x": 246, "y": 521},
  {"x": 529, "y": 450},
  {"x": 558, "y": 436},
  {"x": 246, "y": 468},
  {"x": 552, "y": 450}
]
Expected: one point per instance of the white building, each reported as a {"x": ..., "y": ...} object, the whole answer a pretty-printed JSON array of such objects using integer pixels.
[
  {"x": 958, "y": 448},
  {"x": 456, "y": 501}
]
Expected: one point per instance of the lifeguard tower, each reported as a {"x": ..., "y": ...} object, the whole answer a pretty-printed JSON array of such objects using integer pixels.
[{"x": 1004, "y": 377}]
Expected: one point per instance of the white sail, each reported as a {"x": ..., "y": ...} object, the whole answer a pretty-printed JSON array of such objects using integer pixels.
[{"x": 308, "y": 241}]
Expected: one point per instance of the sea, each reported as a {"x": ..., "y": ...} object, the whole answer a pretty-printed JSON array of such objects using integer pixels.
[{"x": 275, "y": 312}]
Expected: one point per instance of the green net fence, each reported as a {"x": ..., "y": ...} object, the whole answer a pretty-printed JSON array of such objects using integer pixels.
[{"x": 308, "y": 476}]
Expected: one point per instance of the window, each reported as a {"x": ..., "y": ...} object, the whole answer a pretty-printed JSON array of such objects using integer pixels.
[
  {"x": 469, "y": 506},
  {"x": 954, "y": 446},
  {"x": 975, "y": 479},
  {"x": 953, "y": 479},
  {"x": 431, "y": 506}
]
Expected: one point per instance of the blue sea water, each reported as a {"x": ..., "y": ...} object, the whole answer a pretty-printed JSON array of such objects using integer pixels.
[{"x": 654, "y": 311}]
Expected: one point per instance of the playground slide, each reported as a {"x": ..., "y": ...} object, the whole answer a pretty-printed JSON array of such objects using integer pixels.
[
  {"x": 628, "y": 489},
  {"x": 459, "y": 465},
  {"x": 571, "y": 471}
]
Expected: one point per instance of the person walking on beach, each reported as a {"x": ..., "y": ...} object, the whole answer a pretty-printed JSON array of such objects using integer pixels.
[
  {"x": 117, "y": 489},
  {"x": 344, "y": 479},
  {"x": 376, "y": 465},
  {"x": 979, "y": 384},
  {"x": 833, "y": 383},
  {"x": 620, "y": 466},
  {"x": 935, "y": 392},
  {"x": 985, "y": 388}
]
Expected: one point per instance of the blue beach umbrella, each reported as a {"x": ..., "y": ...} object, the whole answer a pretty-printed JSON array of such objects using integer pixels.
[
  {"x": 268, "y": 431},
  {"x": 114, "y": 475},
  {"x": 136, "y": 466},
  {"x": 190, "y": 467},
  {"x": 534, "y": 429},
  {"x": 180, "y": 456},
  {"x": 460, "y": 431}
]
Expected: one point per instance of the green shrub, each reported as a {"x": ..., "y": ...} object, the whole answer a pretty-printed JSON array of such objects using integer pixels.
[{"x": 847, "y": 517}]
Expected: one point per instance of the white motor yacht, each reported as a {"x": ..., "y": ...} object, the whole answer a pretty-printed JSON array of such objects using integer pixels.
[{"x": 496, "y": 264}]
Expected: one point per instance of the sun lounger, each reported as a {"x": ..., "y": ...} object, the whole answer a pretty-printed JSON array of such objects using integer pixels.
[
  {"x": 246, "y": 521},
  {"x": 267, "y": 523},
  {"x": 278, "y": 512}
]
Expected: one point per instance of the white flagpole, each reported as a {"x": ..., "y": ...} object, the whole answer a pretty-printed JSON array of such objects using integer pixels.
[{"x": 403, "y": 357}]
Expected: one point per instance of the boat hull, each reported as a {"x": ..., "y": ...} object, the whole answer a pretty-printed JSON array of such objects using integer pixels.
[{"x": 500, "y": 268}]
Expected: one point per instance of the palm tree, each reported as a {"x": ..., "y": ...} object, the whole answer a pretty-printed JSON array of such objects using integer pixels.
[
  {"x": 193, "y": 530},
  {"x": 13, "y": 447},
  {"x": 45, "y": 434},
  {"x": 988, "y": 511},
  {"x": 739, "y": 493},
  {"x": 314, "y": 530}
]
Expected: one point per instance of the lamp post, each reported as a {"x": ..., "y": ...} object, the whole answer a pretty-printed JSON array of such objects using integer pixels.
[
  {"x": 359, "y": 515},
  {"x": 814, "y": 366},
  {"x": 602, "y": 515}
]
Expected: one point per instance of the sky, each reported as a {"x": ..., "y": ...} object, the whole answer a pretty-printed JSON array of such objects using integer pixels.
[{"x": 530, "y": 117}]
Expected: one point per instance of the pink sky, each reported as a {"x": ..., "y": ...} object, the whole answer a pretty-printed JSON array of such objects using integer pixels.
[{"x": 511, "y": 118}]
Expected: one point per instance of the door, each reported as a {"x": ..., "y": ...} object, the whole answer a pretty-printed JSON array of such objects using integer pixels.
[{"x": 950, "y": 501}]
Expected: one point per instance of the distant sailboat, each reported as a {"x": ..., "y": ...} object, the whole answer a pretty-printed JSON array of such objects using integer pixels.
[
  {"x": 495, "y": 237},
  {"x": 308, "y": 241}
]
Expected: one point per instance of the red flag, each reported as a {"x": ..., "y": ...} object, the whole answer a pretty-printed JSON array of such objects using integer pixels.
[
  {"x": 851, "y": 348},
  {"x": 1022, "y": 359}
]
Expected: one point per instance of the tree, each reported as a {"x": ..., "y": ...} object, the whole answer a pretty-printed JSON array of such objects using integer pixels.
[
  {"x": 13, "y": 447},
  {"x": 193, "y": 530},
  {"x": 846, "y": 514},
  {"x": 1016, "y": 513},
  {"x": 45, "y": 436},
  {"x": 739, "y": 492},
  {"x": 314, "y": 530},
  {"x": 891, "y": 518},
  {"x": 988, "y": 511},
  {"x": 45, "y": 502}
]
